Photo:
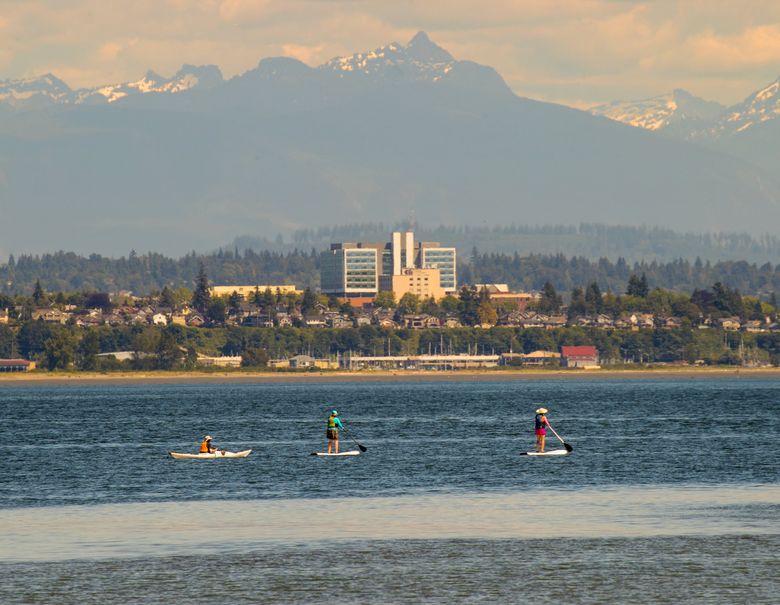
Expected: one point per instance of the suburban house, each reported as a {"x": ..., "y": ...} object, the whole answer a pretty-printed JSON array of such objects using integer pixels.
[{"x": 583, "y": 356}]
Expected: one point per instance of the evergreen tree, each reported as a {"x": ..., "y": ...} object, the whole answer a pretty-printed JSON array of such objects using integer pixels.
[
  {"x": 308, "y": 302},
  {"x": 550, "y": 302},
  {"x": 593, "y": 299},
  {"x": 39, "y": 296},
  {"x": 637, "y": 286},
  {"x": 201, "y": 296},
  {"x": 167, "y": 298},
  {"x": 577, "y": 306}
]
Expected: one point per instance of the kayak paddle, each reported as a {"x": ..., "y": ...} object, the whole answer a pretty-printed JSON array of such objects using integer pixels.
[{"x": 566, "y": 445}]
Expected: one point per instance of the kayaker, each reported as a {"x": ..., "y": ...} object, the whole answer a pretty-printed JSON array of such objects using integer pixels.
[
  {"x": 540, "y": 424},
  {"x": 206, "y": 447},
  {"x": 334, "y": 424}
]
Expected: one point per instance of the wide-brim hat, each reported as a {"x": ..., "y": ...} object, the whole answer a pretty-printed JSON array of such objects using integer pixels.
[
  {"x": 541, "y": 410},
  {"x": 207, "y": 438}
]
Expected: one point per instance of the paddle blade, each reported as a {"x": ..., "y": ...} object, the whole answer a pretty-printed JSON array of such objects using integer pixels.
[
  {"x": 362, "y": 447},
  {"x": 567, "y": 446}
]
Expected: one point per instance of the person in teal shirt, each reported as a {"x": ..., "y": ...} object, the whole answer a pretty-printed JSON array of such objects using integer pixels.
[{"x": 334, "y": 424}]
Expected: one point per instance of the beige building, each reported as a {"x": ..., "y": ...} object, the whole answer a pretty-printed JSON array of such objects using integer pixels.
[
  {"x": 425, "y": 283},
  {"x": 247, "y": 292}
]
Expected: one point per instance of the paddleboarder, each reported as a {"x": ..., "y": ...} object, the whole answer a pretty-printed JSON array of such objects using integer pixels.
[
  {"x": 540, "y": 426},
  {"x": 332, "y": 432},
  {"x": 206, "y": 447}
]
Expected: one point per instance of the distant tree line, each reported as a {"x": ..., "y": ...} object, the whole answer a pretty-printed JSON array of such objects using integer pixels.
[
  {"x": 531, "y": 272},
  {"x": 591, "y": 240},
  {"x": 57, "y": 346},
  {"x": 150, "y": 273}
]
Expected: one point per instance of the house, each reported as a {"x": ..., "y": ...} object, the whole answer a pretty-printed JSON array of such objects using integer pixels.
[
  {"x": 729, "y": 323},
  {"x": 302, "y": 361},
  {"x": 339, "y": 321},
  {"x": 583, "y": 356},
  {"x": 196, "y": 320},
  {"x": 51, "y": 316},
  {"x": 284, "y": 320},
  {"x": 4, "y": 316},
  {"x": 16, "y": 365},
  {"x": 314, "y": 321},
  {"x": 420, "y": 321},
  {"x": 259, "y": 321},
  {"x": 754, "y": 325},
  {"x": 159, "y": 319}
]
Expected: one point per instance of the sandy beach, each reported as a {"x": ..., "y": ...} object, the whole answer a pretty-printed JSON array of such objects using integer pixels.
[{"x": 669, "y": 373}]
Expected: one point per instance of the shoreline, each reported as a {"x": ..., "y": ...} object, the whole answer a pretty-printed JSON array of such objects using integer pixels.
[{"x": 161, "y": 377}]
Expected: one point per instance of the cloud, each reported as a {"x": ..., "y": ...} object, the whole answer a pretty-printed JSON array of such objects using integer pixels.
[
  {"x": 306, "y": 54},
  {"x": 240, "y": 10},
  {"x": 583, "y": 50},
  {"x": 752, "y": 47}
]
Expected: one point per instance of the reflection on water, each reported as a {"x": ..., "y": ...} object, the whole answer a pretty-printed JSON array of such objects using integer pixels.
[{"x": 161, "y": 529}]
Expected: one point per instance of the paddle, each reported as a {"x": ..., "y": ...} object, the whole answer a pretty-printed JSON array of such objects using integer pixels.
[
  {"x": 362, "y": 447},
  {"x": 566, "y": 445}
]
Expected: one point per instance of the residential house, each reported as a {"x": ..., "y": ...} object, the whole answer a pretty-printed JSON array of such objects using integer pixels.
[
  {"x": 51, "y": 316},
  {"x": 159, "y": 319},
  {"x": 196, "y": 320},
  {"x": 729, "y": 323},
  {"x": 583, "y": 356},
  {"x": 420, "y": 321}
]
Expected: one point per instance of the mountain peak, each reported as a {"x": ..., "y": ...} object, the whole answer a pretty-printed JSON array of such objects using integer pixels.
[{"x": 423, "y": 49}]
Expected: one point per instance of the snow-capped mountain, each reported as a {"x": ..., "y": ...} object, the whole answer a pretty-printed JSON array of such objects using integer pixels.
[
  {"x": 367, "y": 137},
  {"x": 658, "y": 113},
  {"x": 760, "y": 107},
  {"x": 43, "y": 89},
  {"x": 187, "y": 78},
  {"x": 50, "y": 89},
  {"x": 420, "y": 59}
]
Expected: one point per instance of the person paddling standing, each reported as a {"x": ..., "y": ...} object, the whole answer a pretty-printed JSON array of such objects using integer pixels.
[
  {"x": 540, "y": 426},
  {"x": 334, "y": 424},
  {"x": 206, "y": 447}
]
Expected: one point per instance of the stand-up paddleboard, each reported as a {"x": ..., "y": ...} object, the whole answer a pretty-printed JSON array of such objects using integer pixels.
[
  {"x": 349, "y": 453},
  {"x": 548, "y": 453}
]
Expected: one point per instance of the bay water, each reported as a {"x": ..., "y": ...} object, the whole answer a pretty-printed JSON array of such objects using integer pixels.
[{"x": 671, "y": 493}]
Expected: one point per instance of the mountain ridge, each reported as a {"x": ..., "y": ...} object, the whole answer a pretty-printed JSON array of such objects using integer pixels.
[{"x": 286, "y": 146}]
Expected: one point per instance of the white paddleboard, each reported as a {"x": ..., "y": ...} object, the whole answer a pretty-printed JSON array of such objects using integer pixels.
[
  {"x": 548, "y": 453},
  {"x": 349, "y": 453}
]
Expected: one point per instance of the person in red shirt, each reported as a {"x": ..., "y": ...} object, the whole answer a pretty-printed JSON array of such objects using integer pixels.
[{"x": 540, "y": 426}]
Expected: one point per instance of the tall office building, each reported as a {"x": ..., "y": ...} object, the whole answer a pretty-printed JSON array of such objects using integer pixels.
[{"x": 353, "y": 270}]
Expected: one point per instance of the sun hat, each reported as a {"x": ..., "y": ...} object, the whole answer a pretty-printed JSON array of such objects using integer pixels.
[
  {"x": 541, "y": 411},
  {"x": 334, "y": 413},
  {"x": 207, "y": 437}
]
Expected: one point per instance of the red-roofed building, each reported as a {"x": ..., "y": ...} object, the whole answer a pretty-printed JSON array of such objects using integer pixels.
[
  {"x": 16, "y": 365},
  {"x": 580, "y": 357}
]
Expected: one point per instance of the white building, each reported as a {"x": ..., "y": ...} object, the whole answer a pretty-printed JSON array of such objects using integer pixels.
[{"x": 354, "y": 270}]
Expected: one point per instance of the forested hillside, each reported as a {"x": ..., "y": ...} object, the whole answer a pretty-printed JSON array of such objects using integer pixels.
[
  {"x": 591, "y": 240},
  {"x": 148, "y": 273}
]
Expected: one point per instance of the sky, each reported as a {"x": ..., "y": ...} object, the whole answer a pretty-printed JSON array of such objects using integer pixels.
[{"x": 576, "y": 52}]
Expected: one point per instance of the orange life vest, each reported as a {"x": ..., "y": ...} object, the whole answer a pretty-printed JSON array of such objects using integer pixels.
[{"x": 204, "y": 447}]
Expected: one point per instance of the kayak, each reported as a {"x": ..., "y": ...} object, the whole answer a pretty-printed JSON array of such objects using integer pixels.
[
  {"x": 203, "y": 456},
  {"x": 548, "y": 453},
  {"x": 349, "y": 453}
]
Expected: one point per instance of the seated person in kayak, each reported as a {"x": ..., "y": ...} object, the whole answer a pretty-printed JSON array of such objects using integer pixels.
[
  {"x": 206, "y": 446},
  {"x": 334, "y": 424}
]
